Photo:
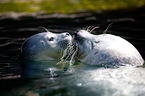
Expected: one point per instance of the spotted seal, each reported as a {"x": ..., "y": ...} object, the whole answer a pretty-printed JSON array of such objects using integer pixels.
[
  {"x": 105, "y": 49},
  {"x": 45, "y": 46}
]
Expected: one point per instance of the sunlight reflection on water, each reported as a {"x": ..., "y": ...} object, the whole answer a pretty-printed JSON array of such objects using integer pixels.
[{"x": 85, "y": 80}]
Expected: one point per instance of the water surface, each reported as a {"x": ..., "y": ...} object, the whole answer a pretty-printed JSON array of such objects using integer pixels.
[{"x": 79, "y": 80}]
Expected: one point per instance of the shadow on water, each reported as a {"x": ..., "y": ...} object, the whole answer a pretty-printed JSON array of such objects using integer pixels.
[{"x": 80, "y": 80}]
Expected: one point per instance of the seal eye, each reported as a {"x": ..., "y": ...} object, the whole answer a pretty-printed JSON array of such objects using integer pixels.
[
  {"x": 67, "y": 34},
  {"x": 51, "y": 39}
]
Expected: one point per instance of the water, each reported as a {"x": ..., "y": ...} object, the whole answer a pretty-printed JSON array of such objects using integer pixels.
[{"x": 80, "y": 79}]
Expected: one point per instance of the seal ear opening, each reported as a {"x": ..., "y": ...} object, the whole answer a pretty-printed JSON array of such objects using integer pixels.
[{"x": 42, "y": 42}]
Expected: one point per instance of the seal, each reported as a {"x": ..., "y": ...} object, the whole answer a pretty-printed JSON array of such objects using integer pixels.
[
  {"x": 45, "y": 46},
  {"x": 105, "y": 49},
  {"x": 41, "y": 51}
]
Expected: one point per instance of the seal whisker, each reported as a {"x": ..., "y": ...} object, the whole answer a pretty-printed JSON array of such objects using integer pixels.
[
  {"x": 104, "y": 32},
  {"x": 61, "y": 53},
  {"x": 69, "y": 55},
  {"x": 43, "y": 28},
  {"x": 94, "y": 29},
  {"x": 65, "y": 52},
  {"x": 88, "y": 28},
  {"x": 73, "y": 54}
]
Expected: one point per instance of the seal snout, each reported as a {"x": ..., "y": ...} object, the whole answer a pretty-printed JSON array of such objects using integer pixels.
[
  {"x": 75, "y": 35},
  {"x": 64, "y": 35},
  {"x": 82, "y": 34}
]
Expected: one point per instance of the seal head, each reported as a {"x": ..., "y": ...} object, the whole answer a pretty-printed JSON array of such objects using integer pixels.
[{"x": 45, "y": 46}]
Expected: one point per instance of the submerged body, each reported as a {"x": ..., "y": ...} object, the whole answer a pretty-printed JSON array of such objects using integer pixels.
[{"x": 106, "y": 49}]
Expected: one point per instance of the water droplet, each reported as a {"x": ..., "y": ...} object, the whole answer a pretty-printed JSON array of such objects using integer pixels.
[{"x": 79, "y": 84}]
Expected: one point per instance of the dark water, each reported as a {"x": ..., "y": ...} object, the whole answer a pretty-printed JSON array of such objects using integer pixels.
[{"x": 82, "y": 80}]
